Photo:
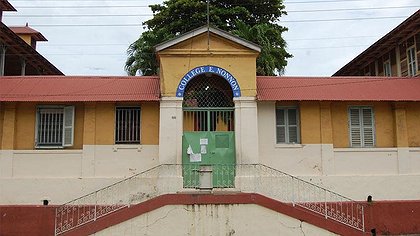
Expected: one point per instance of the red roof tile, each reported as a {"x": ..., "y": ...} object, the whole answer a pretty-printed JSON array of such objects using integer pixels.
[
  {"x": 78, "y": 88},
  {"x": 338, "y": 89},
  {"x": 26, "y": 30}
]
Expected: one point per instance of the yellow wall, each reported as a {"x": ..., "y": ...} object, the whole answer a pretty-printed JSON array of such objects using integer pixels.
[
  {"x": 104, "y": 123},
  {"x": 26, "y": 38},
  {"x": 310, "y": 123},
  {"x": 176, "y": 61},
  {"x": 413, "y": 124},
  {"x": 97, "y": 124},
  {"x": 25, "y": 125},
  {"x": 334, "y": 119},
  {"x": 150, "y": 123},
  {"x": 384, "y": 123}
]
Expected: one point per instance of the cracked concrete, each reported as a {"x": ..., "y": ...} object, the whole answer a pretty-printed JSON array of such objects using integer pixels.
[{"x": 213, "y": 220}]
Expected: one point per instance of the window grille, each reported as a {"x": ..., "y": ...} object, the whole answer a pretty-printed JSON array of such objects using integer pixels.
[
  {"x": 54, "y": 126},
  {"x": 127, "y": 125},
  {"x": 362, "y": 133},
  {"x": 287, "y": 125},
  {"x": 208, "y": 91}
]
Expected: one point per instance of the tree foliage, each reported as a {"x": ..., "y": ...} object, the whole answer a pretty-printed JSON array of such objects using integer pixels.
[{"x": 253, "y": 20}]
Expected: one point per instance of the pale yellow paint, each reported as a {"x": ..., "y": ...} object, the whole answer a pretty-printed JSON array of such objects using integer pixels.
[
  {"x": 105, "y": 123},
  {"x": 178, "y": 60},
  {"x": 326, "y": 123},
  {"x": 26, "y": 38},
  {"x": 401, "y": 132},
  {"x": 9, "y": 124},
  {"x": 25, "y": 126},
  {"x": 310, "y": 122},
  {"x": 413, "y": 124},
  {"x": 150, "y": 123},
  {"x": 26, "y": 122},
  {"x": 89, "y": 129},
  {"x": 384, "y": 123}
]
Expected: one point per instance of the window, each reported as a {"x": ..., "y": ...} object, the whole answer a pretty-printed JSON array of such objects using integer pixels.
[
  {"x": 411, "y": 59},
  {"x": 287, "y": 125},
  {"x": 387, "y": 68},
  {"x": 127, "y": 125},
  {"x": 54, "y": 126},
  {"x": 362, "y": 132}
]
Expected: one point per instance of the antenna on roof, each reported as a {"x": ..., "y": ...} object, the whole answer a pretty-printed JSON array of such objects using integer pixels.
[{"x": 208, "y": 25}]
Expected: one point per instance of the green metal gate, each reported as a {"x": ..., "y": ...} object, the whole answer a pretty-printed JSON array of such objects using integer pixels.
[{"x": 208, "y": 145}]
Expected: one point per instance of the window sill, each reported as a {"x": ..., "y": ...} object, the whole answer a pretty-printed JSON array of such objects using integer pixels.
[
  {"x": 137, "y": 147},
  {"x": 289, "y": 145},
  {"x": 369, "y": 149},
  {"x": 49, "y": 151}
]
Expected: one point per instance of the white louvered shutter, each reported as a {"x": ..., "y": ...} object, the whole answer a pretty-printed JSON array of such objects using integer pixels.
[
  {"x": 281, "y": 125},
  {"x": 68, "y": 133},
  {"x": 355, "y": 127},
  {"x": 292, "y": 125},
  {"x": 368, "y": 127}
]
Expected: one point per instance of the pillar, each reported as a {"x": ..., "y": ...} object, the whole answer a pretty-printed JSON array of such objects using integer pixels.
[
  {"x": 171, "y": 129},
  {"x": 2, "y": 59},
  {"x": 8, "y": 140},
  {"x": 89, "y": 140},
  {"x": 401, "y": 137},
  {"x": 246, "y": 130},
  {"x": 327, "y": 146},
  {"x": 23, "y": 67}
]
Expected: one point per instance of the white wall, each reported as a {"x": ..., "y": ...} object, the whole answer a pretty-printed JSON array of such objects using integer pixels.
[
  {"x": 215, "y": 220},
  {"x": 384, "y": 173},
  {"x": 28, "y": 176}
]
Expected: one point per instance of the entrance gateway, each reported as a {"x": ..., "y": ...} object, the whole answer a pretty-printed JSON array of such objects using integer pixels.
[{"x": 208, "y": 142}]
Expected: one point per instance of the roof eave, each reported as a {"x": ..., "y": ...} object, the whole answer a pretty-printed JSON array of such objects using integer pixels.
[
  {"x": 381, "y": 41},
  {"x": 203, "y": 29}
]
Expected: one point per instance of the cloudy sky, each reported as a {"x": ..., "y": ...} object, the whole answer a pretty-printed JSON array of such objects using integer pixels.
[{"x": 90, "y": 37}]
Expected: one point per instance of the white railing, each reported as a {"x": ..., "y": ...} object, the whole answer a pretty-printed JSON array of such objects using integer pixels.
[
  {"x": 286, "y": 188},
  {"x": 251, "y": 178}
]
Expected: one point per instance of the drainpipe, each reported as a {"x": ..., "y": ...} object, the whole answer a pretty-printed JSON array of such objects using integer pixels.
[{"x": 2, "y": 59}]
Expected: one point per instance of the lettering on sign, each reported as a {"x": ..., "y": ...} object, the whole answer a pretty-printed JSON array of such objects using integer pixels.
[{"x": 209, "y": 69}]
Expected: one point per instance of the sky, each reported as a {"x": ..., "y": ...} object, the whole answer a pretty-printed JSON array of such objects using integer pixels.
[{"x": 91, "y": 37}]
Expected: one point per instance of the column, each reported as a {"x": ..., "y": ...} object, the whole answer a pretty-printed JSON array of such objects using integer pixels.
[
  {"x": 327, "y": 146},
  {"x": 401, "y": 137},
  {"x": 23, "y": 67},
  {"x": 171, "y": 130},
  {"x": 246, "y": 130},
  {"x": 2, "y": 59},
  {"x": 8, "y": 140},
  {"x": 89, "y": 138}
]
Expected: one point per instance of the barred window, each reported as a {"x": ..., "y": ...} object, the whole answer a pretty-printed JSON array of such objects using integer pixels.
[
  {"x": 287, "y": 125},
  {"x": 127, "y": 125},
  {"x": 362, "y": 131},
  {"x": 54, "y": 126}
]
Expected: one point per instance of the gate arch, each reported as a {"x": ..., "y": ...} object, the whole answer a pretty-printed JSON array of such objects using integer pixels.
[{"x": 208, "y": 70}]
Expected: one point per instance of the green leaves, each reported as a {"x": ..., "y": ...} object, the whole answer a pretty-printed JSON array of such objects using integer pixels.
[{"x": 253, "y": 20}]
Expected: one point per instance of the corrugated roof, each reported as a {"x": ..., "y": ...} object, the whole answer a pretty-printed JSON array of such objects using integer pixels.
[
  {"x": 338, "y": 89},
  {"x": 78, "y": 88},
  {"x": 26, "y": 30}
]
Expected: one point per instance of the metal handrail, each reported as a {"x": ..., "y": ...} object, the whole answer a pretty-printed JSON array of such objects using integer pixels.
[{"x": 167, "y": 178}]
